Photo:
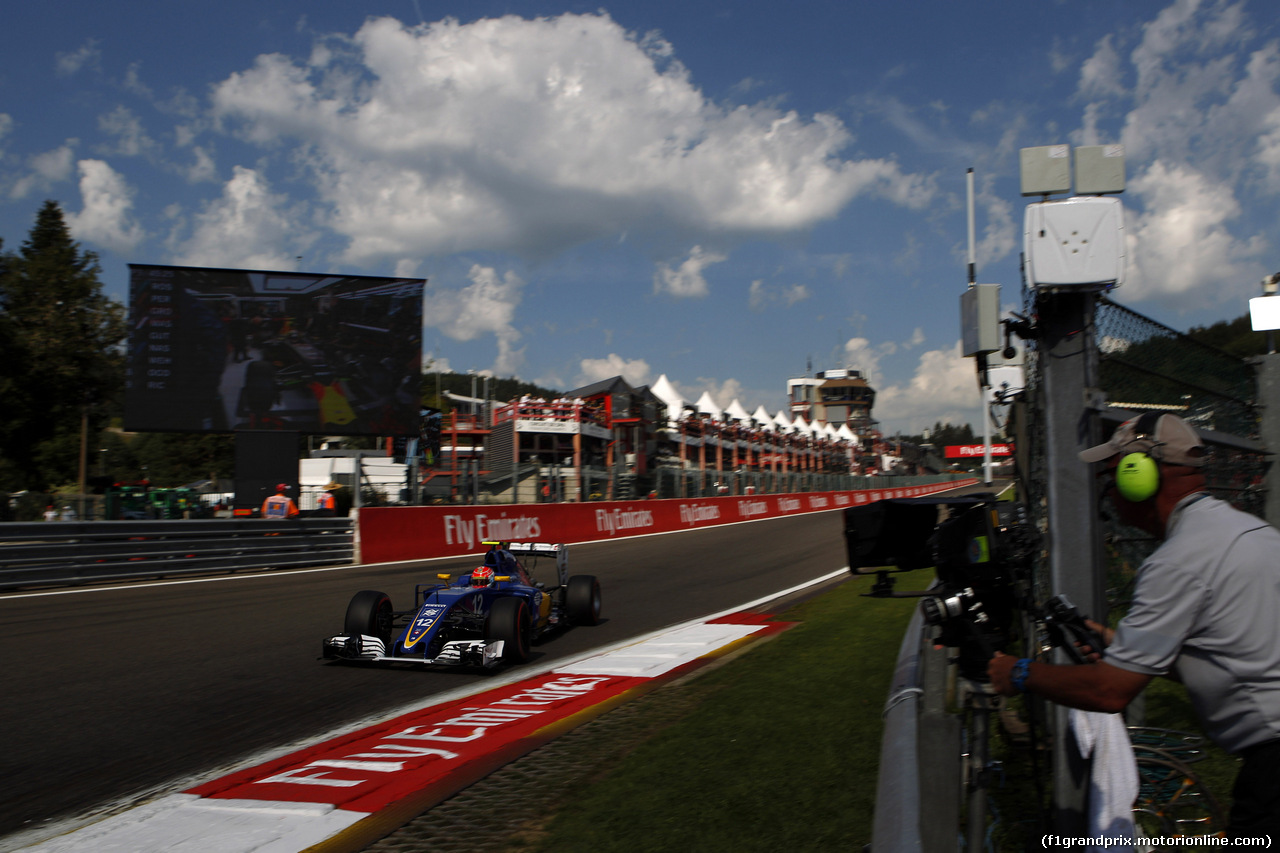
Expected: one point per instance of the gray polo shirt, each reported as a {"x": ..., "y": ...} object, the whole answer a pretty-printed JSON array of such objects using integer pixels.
[{"x": 1207, "y": 608}]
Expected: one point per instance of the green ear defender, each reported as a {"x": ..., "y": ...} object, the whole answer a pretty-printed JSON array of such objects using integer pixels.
[{"x": 1138, "y": 475}]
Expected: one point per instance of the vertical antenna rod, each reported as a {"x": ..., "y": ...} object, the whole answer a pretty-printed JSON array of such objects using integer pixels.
[{"x": 973, "y": 276}]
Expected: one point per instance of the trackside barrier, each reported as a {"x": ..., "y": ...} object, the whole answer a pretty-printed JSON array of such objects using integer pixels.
[
  {"x": 917, "y": 792},
  {"x": 388, "y": 534},
  {"x": 896, "y": 825},
  {"x": 68, "y": 553},
  {"x": 64, "y": 553}
]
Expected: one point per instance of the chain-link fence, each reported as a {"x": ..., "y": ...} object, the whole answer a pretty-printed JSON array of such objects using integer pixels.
[
  {"x": 1144, "y": 365},
  {"x": 1147, "y": 364}
]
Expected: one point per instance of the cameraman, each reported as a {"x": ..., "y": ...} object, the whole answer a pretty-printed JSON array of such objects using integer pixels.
[{"x": 1206, "y": 610}]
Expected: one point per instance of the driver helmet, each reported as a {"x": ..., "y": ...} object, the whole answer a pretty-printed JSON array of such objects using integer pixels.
[{"x": 482, "y": 576}]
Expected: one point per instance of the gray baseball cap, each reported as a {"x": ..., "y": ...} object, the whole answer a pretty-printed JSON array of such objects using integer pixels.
[{"x": 1166, "y": 438}]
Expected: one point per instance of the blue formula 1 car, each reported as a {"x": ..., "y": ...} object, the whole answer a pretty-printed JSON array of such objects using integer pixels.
[{"x": 478, "y": 618}]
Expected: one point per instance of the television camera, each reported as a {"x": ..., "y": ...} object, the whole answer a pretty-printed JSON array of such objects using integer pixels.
[
  {"x": 1068, "y": 630},
  {"x": 982, "y": 551}
]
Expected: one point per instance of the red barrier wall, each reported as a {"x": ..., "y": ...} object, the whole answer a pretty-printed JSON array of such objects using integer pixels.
[{"x": 387, "y": 534}]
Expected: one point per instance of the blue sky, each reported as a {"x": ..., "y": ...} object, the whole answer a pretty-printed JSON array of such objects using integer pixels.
[{"x": 722, "y": 192}]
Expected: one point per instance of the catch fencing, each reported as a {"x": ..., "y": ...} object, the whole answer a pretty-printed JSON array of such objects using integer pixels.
[
  {"x": 539, "y": 483},
  {"x": 1145, "y": 365}
]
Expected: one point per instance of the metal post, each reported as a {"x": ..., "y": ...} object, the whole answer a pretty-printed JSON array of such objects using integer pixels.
[
  {"x": 1268, "y": 378},
  {"x": 978, "y": 704},
  {"x": 415, "y": 480},
  {"x": 1268, "y": 368},
  {"x": 359, "y": 499},
  {"x": 985, "y": 396},
  {"x": 84, "y": 457},
  {"x": 1069, "y": 366}
]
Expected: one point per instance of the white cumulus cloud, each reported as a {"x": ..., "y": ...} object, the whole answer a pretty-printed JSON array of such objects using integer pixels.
[
  {"x": 486, "y": 306},
  {"x": 1199, "y": 126},
  {"x": 761, "y": 296},
  {"x": 943, "y": 389},
  {"x": 1180, "y": 243},
  {"x": 131, "y": 139},
  {"x": 107, "y": 217},
  {"x": 634, "y": 371},
  {"x": 687, "y": 279},
  {"x": 88, "y": 55},
  {"x": 249, "y": 226},
  {"x": 532, "y": 136},
  {"x": 45, "y": 169},
  {"x": 1101, "y": 74}
]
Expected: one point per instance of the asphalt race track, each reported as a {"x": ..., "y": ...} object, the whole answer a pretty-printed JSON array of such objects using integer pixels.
[{"x": 112, "y": 693}]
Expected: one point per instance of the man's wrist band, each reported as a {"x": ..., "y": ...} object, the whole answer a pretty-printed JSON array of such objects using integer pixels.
[{"x": 1018, "y": 676}]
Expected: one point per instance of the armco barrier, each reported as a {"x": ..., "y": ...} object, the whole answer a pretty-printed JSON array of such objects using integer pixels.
[
  {"x": 64, "y": 553},
  {"x": 388, "y": 534}
]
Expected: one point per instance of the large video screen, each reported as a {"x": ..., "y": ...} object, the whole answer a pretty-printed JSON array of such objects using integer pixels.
[{"x": 215, "y": 350}]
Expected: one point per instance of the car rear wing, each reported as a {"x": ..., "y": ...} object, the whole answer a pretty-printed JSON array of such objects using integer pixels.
[{"x": 540, "y": 549}]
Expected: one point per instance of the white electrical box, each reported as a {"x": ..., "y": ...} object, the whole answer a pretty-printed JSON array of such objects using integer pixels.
[
  {"x": 1075, "y": 242},
  {"x": 980, "y": 319}
]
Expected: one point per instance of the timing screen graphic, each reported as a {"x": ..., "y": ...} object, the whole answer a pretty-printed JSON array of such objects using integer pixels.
[{"x": 222, "y": 350}]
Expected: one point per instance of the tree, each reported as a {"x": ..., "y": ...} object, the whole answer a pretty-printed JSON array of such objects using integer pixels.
[
  {"x": 170, "y": 459},
  {"x": 61, "y": 367},
  {"x": 1234, "y": 336},
  {"x": 942, "y": 435},
  {"x": 947, "y": 434}
]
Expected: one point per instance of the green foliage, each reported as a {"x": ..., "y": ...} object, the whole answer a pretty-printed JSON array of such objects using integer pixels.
[
  {"x": 60, "y": 362},
  {"x": 62, "y": 369},
  {"x": 174, "y": 459},
  {"x": 1168, "y": 706},
  {"x": 1165, "y": 368},
  {"x": 1236, "y": 337},
  {"x": 942, "y": 435}
]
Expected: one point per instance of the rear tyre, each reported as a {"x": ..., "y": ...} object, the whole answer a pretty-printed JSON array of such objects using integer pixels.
[
  {"x": 582, "y": 600},
  {"x": 370, "y": 613},
  {"x": 509, "y": 621}
]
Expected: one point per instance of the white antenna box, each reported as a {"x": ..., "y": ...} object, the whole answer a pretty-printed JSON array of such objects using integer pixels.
[{"x": 1045, "y": 169}]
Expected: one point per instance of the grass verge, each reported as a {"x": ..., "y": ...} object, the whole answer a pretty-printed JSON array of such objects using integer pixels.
[{"x": 780, "y": 750}]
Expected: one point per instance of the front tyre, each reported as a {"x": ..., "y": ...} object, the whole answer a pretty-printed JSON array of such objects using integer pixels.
[
  {"x": 509, "y": 621},
  {"x": 370, "y": 613},
  {"x": 582, "y": 600}
]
